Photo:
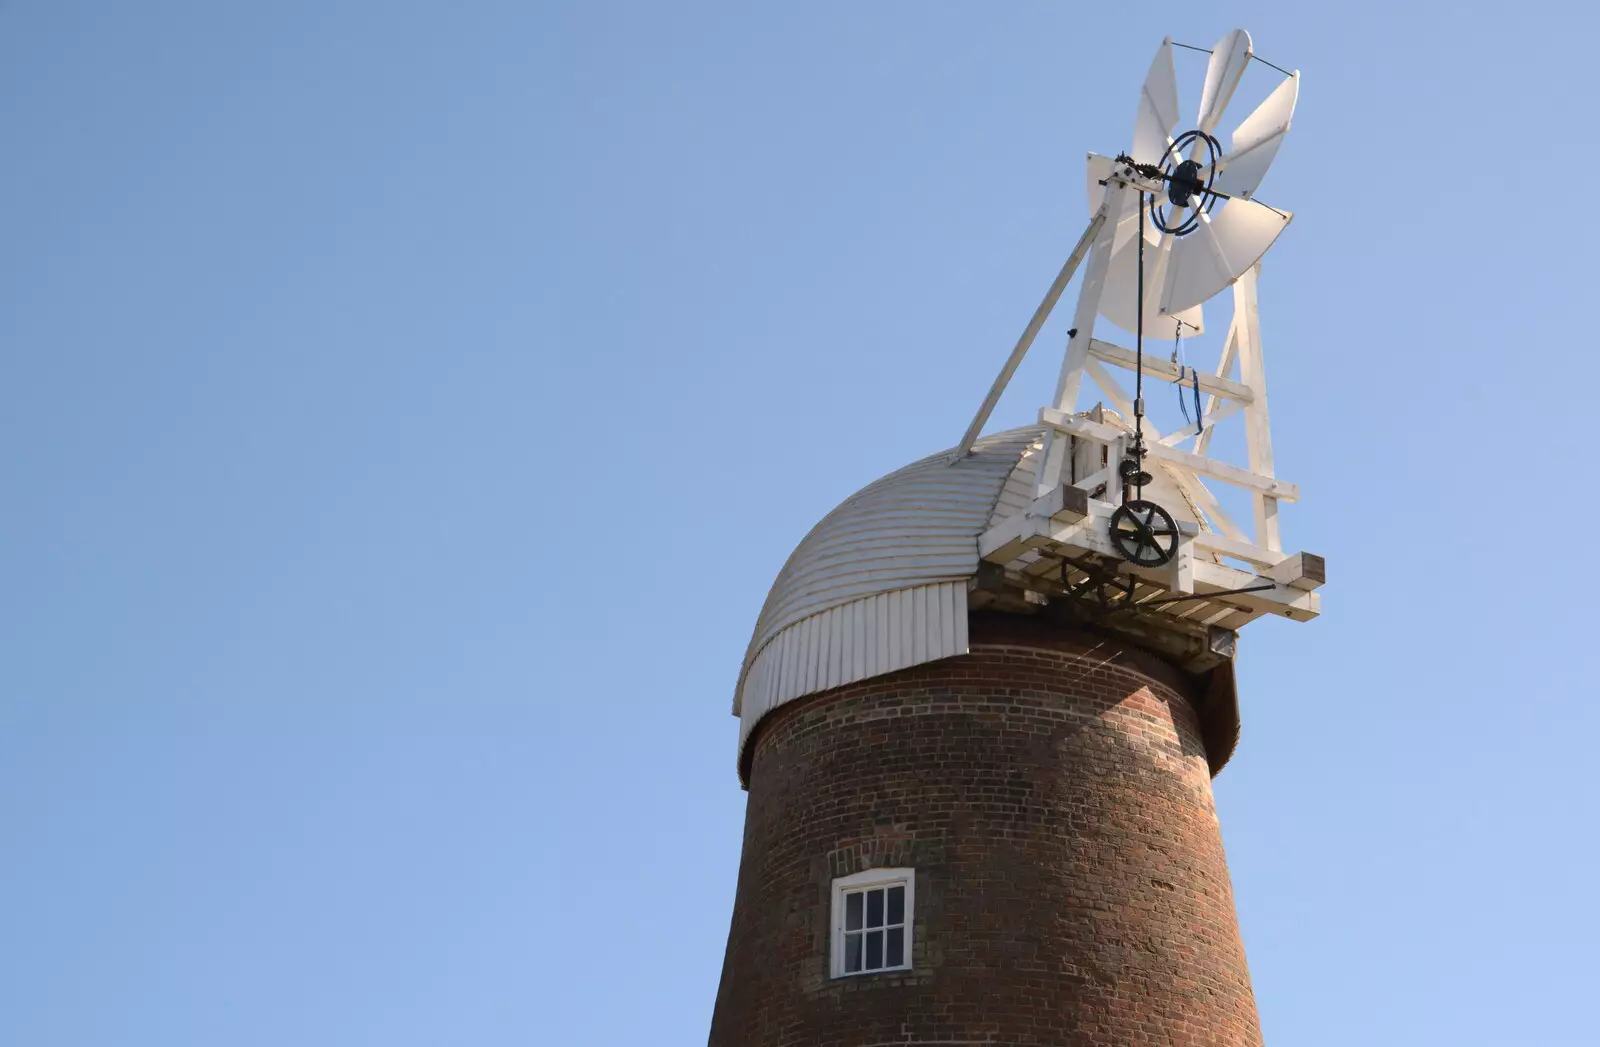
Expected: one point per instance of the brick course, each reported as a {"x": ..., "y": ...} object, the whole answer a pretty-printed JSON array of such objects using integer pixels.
[{"x": 1052, "y": 792}]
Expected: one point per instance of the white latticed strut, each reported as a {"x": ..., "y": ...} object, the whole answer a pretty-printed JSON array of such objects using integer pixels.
[{"x": 1182, "y": 212}]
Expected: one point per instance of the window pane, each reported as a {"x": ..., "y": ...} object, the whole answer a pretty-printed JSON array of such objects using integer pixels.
[
  {"x": 852, "y": 911},
  {"x": 874, "y": 950},
  {"x": 875, "y": 908},
  {"x": 897, "y": 905},
  {"x": 852, "y": 953},
  {"x": 897, "y": 948}
]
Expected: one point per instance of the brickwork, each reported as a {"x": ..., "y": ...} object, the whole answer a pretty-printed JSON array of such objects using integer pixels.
[{"x": 1052, "y": 792}]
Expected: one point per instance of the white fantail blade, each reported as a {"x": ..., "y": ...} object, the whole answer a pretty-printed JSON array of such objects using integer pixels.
[
  {"x": 1221, "y": 250},
  {"x": 1158, "y": 109},
  {"x": 1256, "y": 141},
  {"x": 1119, "y": 300},
  {"x": 1228, "y": 61},
  {"x": 1099, "y": 169}
]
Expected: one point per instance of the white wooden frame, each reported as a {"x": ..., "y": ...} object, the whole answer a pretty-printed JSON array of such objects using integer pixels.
[
  {"x": 863, "y": 881},
  {"x": 1201, "y": 564},
  {"x": 1225, "y": 397}
]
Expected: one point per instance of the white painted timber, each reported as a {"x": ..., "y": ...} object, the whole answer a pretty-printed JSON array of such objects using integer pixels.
[
  {"x": 854, "y": 641},
  {"x": 1154, "y": 365},
  {"x": 1229, "y": 57},
  {"x": 1030, "y": 332},
  {"x": 881, "y": 583},
  {"x": 1302, "y": 571},
  {"x": 1281, "y": 489}
]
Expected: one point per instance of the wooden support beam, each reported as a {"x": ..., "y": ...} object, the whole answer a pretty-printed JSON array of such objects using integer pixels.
[
  {"x": 1068, "y": 423},
  {"x": 1281, "y": 600},
  {"x": 1181, "y": 569},
  {"x": 1054, "y": 456},
  {"x": 1029, "y": 333},
  {"x": 1177, "y": 436},
  {"x": 1010, "y": 538},
  {"x": 1230, "y": 348},
  {"x": 1096, "y": 478},
  {"x": 1249, "y": 552},
  {"x": 1267, "y": 485},
  {"x": 1064, "y": 504},
  {"x": 1155, "y": 365},
  {"x": 991, "y": 588},
  {"x": 1304, "y": 571},
  {"x": 1109, "y": 385},
  {"x": 1088, "y": 308},
  {"x": 1257, "y": 426},
  {"x": 1196, "y": 489},
  {"x": 1215, "y": 588}
]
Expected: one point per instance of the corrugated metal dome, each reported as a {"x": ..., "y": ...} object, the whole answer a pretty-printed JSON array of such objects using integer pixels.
[{"x": 880, "y": 583}]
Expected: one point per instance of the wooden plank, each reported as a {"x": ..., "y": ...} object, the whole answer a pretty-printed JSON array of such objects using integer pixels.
[
  {"x": 1066, "y": 422},
  {"x": 1196, "y": 489},
  {"x": 1095, "y": 479},
  {"x": 1083, "y": 317},
  {"x": 1236, "y": 620},
  {"x": 1249, "y": 552},
  {"x": 922, "y": 617},
  {"x": 1257, "y": 425},
  {"x": 1003, "y": 542},
  {"x": 1044, "y": 567},
  {"x": 1304, "y": 571},
  {"x": 1064, "y": 504},
  {"x": 860, "y": 637},
  {"x": 882, "y": 641},
  {"x": 1253, "y": 481},
  {"x": 1230, "y": 347},
  {"x": 963, "y": 641},
  {"x": 1181, "y": 568},
  {"x": 1165, "y": 369},
  {"x": 812, "y": 653},
  {"x": 1177, "y": 436},
  {"x": 1281, "y": 600},
  {"x": 1108, "y": 385}
]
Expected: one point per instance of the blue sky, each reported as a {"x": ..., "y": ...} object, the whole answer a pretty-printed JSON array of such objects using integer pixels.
[{"x": 406, "y": 406}]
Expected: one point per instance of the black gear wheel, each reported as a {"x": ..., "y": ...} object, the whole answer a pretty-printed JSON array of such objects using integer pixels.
[{"x": 1144, "y": 533}]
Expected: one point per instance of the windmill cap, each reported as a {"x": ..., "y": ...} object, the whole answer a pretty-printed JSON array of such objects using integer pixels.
[{"x": 880, "y": 584}]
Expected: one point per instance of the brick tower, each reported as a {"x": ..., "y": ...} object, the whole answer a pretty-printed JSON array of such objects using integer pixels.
[
  {"x": 986, "y": 695},
  {"x": 1049, "y": 794}
]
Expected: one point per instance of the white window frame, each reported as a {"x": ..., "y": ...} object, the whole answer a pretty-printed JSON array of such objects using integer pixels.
[{"x": 860, "y": 881}]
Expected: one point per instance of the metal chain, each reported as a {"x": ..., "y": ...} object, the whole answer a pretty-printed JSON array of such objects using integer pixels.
[{"x": 1138, "y": 371}]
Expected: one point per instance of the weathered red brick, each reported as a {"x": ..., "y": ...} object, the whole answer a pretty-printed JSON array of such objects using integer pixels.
[{"x": 1052, "y": 791}]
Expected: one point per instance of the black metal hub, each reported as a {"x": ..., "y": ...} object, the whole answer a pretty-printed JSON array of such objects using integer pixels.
[
  {"x": 1188, "y": 182},
  {"x": 1184, "y": 184}
]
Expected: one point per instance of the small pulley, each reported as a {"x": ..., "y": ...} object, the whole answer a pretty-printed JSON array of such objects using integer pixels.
[
  {"x": 1133, "y": 475},
  {"x": 1144, "y": 533}
]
